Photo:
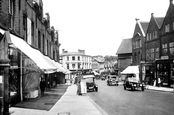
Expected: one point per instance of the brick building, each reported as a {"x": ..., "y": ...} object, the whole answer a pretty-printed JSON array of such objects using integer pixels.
[{"x": 24, "y": 19}]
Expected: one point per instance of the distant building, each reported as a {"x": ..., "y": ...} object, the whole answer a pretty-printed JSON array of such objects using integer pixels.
[
  {"x": 98, "y": 63},
  {"x": 76, "y": 60}
]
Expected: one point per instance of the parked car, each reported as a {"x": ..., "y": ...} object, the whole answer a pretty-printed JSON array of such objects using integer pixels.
[
  {"x": 112, "y": 80},
  {"x": 90, "y": 83}
]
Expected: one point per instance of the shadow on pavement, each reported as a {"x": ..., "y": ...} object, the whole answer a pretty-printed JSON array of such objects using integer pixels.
[{"x": 45, "y": 102}]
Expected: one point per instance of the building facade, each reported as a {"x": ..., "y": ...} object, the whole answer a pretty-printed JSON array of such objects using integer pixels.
[
  {"x": 74, "y": 61},
  {"x": 124, "y": 54},
  {"x": 24, "y": 19}
]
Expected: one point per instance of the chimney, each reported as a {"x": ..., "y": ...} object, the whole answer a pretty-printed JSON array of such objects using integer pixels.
[
  {"x": 171, "y": 1},
  {"x": 136, "y": 19},
  {"x": 152, "y": 14}
]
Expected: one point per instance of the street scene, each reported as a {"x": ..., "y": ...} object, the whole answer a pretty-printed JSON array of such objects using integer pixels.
[{"x": 86, "y": 57}]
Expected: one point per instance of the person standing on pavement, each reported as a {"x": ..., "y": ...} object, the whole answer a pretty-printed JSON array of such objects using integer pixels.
[
  {"x": 42, "y": 86},
  {"x": 77, "y": 82}
]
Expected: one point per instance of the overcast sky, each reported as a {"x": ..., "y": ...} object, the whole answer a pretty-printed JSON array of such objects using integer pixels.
[{"x": 98, "y": 26}]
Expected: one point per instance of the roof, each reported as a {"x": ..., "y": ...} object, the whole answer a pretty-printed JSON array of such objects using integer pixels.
[
  {"x": 125, "y": 46},
  {"x": 73, "y": 54},
  {"x": 144, "y": 26},
  {"x": 159, "y": 21}
]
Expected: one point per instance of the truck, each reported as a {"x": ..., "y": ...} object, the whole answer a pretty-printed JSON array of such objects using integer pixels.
[{"x": 132, "y": 78}]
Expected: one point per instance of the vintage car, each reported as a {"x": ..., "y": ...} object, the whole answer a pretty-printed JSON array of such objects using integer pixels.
[
  {"x": 90, "y": 83},
  {"x": 132, "y": 79},
  {"x": 103, "y": 77},
  {"x": 112, "y": 80}
]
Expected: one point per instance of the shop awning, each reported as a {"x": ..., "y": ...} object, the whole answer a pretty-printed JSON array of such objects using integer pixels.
[
  {"x": 30, "y": 52},
  {"x": 131, "y": 70}
]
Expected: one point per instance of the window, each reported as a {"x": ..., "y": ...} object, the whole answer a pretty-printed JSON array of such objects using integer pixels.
[
  {"x": 150, "y": 37},
  {"x": 11, "y": 13},
  {"x": 79, "y": 65},
  {"x": 73, "y": 58},
  {"x": 156, "y": 53},
  {"x": 24, "y": 21},
  {"x": 167, "y": 28},
  {"x": 73, "y": 66},
  {"x": 32, "y": 31},
  {"x": 39, "y": 40},
  {"x": 43, "y": 40},
  {"x": 140, "y": 43},
  {"x": 78, "y": 58},
  {"x": 148, "y": 54},
  {"x": 67, "y": 58},
  {"x": 164, "y": 49},
  {"x": 67, "y": 66},
  {"x": 147, "y": 37},
  {"x": 171, "y": 48},
  {"x": 155, "y": 34},
  {"x": 152, "y": 54}
]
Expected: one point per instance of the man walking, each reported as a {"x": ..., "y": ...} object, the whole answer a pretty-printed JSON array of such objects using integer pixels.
[{"x": 42, "y": 86}]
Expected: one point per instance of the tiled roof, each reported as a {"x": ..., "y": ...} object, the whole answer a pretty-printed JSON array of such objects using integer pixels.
[
  {"x": 144, "y": 26},
  {"x": 159, "y": 21},
  {"x": 125, "y": 47}
]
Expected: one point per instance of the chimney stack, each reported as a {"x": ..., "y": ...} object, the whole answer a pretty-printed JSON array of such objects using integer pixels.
[
  {"x": 152, "y": 14},
  {"x": 136, "y": 19},
  {"x": 171, "y": 1}
]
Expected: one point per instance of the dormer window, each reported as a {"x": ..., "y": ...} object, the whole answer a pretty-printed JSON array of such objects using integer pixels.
[{"x": 167, "y": 28}]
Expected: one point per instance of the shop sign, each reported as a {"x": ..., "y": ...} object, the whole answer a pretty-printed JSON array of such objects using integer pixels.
[{"x": 164, "y": 57}]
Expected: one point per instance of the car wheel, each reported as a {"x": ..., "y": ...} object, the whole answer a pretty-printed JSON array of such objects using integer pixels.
[
  {"x": 96, "y": 89},
  {"x": 124, "y": 87},
  {"x": 142, "y": 88}
]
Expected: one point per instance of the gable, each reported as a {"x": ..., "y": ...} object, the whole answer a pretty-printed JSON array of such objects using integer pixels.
[{"x": 169, "y": 18}]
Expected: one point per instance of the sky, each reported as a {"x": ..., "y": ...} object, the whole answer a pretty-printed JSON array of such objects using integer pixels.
[{"x": 98, "y": 26}]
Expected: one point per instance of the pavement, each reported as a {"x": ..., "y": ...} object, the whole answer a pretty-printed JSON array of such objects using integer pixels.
[{"x": 68, "y": 103}]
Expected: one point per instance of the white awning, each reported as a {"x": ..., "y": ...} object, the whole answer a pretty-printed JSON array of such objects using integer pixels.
[
  {"x": 30, "y": 52},
  {"x": 131, "y": 70}
]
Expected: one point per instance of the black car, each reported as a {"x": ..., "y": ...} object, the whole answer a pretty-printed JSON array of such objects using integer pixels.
[
  {"x": 90, "y": 83},
  {"x": 112, "y": 80}
]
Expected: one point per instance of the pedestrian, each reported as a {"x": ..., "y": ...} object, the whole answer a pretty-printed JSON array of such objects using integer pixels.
[
  {"x": 77, "y": 82},
  {"x": 159, "y": 82},
  {"x": 42, "y": 86}
]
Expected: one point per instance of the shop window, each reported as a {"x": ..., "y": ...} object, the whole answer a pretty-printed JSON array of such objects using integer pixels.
[{"x": 171, "y": 48}]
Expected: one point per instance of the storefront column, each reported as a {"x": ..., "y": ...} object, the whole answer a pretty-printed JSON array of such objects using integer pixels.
[{"x": 4, "y": 87}]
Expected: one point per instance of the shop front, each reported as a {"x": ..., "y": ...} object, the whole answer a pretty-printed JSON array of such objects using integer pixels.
[
  {"x": 165, "y": 72},
  {"x": 148, "y": 73}
]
